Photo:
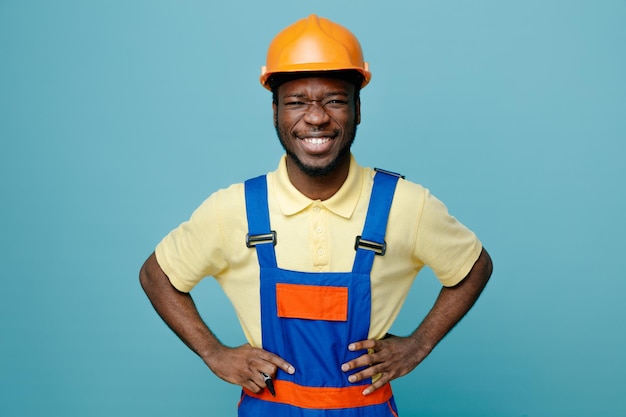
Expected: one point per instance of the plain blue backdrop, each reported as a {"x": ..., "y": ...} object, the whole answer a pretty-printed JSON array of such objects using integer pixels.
[{"x": 117, "y": 118}]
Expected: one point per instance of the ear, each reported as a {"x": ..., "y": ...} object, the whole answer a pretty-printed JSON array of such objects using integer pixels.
[
  {"x": 275, "y": 110},
  {"x": 357, "y": 110}
]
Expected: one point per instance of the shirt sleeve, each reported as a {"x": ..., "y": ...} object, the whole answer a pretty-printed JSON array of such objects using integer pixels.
[
  {"x": 192, "y": 251},
  {"x": 444, "y": 244}
]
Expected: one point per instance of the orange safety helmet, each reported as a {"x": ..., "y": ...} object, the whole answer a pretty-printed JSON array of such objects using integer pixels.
[{"x": 314, "y": 44}]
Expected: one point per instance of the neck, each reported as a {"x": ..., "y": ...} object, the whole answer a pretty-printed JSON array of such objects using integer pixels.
[{"x": 318, "y": 188}]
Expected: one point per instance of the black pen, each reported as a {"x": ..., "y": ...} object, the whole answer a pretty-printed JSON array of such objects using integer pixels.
[{"x": 269, "y": 383}]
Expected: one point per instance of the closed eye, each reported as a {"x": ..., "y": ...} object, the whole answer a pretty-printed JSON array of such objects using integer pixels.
[{"x": 336, "y": 104}]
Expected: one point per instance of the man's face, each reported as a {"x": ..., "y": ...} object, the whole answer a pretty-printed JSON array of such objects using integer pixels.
[{"x": 316, "y": 119}]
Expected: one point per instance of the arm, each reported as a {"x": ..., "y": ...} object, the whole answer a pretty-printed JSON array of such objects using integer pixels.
[
  {"x": 394, "y": 357},
  {"x": 242, "y": 365}
]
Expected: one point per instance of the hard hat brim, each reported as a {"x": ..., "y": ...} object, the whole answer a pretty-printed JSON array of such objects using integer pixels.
[{"x": 315, "y": 68}]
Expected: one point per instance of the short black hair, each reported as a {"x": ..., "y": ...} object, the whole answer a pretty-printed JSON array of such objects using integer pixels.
[{"x": 280, "y": 78}]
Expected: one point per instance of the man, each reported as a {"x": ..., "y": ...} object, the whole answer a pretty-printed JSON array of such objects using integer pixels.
[{"x": 317, "y": 257}]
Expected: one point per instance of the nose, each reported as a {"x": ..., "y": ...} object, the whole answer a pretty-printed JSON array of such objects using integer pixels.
[{"x": 316, "y": 114}]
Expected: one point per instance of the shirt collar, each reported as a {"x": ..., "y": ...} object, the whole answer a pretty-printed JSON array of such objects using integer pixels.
[{"x": 292, "y": 201}]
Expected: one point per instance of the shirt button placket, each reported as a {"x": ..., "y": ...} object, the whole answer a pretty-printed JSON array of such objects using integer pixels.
[{"x": 319, "y": 239}]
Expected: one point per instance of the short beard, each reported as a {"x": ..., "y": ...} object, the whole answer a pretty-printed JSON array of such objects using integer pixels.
[{"x": 318, "y": 172}]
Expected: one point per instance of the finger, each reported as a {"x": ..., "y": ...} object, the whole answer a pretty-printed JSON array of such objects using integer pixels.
[
  {"x": 362, "y": 345},
  {"x": 279, "y": 362},
  {"x": 376, "y": 385},
  {"x": 366, "y": 373},
  {"x": 361, "y": 361},
  {"x": 254, "y": 385},
  {"x": 258, "y": 378}
]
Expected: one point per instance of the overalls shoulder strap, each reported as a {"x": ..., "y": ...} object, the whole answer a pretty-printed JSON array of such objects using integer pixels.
[
  {"x": 370, "y": 243},
  {"x": 372, "y": 240},
  {"x": 259, "y": 234}
]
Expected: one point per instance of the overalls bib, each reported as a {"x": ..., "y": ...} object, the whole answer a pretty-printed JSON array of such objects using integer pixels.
[{"x": 310, "y": 318}]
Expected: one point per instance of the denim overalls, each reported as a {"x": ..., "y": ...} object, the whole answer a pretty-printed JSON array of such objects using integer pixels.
[{"x": 310, "y": 318}]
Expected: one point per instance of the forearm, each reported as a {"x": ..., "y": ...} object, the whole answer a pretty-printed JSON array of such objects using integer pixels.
[
  {"x": 243, "y": 365},
  {"x": 178, "y": 310},
  {"x": 450, "y": 307}
]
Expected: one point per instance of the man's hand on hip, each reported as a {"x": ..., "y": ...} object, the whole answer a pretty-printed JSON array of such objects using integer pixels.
[{"x": 245, "y": 364}]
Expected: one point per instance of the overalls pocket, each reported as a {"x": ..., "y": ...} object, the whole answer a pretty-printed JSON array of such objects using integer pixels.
[{"x": 312, "y": 302}]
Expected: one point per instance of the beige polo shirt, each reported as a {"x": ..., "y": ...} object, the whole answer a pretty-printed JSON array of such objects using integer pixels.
[{"x": 318, "y": 236}]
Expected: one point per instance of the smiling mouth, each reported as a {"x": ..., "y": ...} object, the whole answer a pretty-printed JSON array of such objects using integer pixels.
[{"x": 316, "y": 141}]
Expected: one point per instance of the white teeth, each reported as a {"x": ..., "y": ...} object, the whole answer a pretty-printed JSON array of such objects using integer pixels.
[{"x": 316, "y": 141}]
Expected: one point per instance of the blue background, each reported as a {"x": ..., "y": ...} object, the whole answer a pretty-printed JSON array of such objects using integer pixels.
[{"x": 117, "y": 118}]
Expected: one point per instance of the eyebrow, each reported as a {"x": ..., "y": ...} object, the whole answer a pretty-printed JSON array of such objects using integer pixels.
[{"x": 329, "y": 94}]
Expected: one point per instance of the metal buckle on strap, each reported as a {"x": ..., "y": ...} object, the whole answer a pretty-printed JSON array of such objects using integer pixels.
[
  {"x": 384, "y": 171},
  {"x": 253, "y": 240},
  {"x": 377, "y": 248}
]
